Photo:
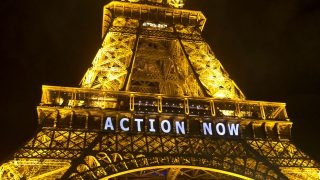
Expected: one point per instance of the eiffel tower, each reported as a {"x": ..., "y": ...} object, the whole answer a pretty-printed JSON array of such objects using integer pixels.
[{"x": 157, "y": 104}]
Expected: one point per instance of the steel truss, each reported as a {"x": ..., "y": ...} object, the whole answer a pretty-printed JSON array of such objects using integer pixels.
[
  {"x": 101, "y": 154},
  {"x": 153, "y": 63},
  {"x": 190, "y": 66},
  {"x": 63, "y": 147}
]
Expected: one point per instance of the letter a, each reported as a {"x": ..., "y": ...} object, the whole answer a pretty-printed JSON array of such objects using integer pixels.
[{"x": 108, "y": 124}]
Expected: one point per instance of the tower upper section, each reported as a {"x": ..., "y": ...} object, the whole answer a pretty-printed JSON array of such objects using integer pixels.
[
  {"x": 154, "y": 46},
  {"x": 153, "y": 13}
]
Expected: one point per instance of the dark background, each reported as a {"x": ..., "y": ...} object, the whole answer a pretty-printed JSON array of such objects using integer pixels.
[{"x": 270, "y": 48}]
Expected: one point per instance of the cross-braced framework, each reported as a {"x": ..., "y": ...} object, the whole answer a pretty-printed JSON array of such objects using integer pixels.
[
  {"x": 157, "y": 104},
  {"x": 168, "y": 57}
]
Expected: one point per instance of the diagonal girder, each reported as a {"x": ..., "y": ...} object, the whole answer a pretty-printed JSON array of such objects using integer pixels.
[{"x": 173, "y": 173}]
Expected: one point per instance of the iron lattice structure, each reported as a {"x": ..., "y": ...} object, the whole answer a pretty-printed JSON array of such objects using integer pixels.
[{"x": 153, "y": 64}]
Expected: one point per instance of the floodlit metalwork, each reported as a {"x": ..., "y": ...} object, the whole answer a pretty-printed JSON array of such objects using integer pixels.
[{"x": 157, "y": 104}]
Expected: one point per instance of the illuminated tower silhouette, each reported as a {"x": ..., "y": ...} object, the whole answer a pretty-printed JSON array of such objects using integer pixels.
[{"x": 157, "y": 104}]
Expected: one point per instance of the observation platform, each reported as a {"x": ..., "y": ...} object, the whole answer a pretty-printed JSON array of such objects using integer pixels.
[{"x": 257, "y": 119}]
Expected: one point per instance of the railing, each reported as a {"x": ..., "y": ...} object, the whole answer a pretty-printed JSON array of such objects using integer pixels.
[
  {"x": 144, "y": 103},
  {"x": 155, "y": 14},
  {"x": 157, "y": 33}
]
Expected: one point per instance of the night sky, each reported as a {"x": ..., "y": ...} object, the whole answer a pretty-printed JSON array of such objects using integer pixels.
[{"x": 270, "y": 48}]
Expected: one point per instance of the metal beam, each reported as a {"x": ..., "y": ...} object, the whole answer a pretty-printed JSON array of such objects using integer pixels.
[
  {"x": 132, "y": 61},
  {"x": 173, "y": 173},
  {"x": 196, "y": 75},
  {"x": 41, "y": 176}
]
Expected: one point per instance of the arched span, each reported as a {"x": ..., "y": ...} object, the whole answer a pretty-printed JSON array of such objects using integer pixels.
[
  {"x": 178, "y": 168},
  {"x": 108, "y": 165}
]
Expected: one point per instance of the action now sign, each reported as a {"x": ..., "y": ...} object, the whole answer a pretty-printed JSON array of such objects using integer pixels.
[{"x": 179, "y": 127}]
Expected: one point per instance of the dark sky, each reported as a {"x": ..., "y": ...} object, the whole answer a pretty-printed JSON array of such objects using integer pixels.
[{"x": 270, "y": 48}]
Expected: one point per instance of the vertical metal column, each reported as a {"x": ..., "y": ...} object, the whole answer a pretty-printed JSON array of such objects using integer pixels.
[
  {"x": 132, "y": 61},
  {"x": 203, "y": 88}
]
